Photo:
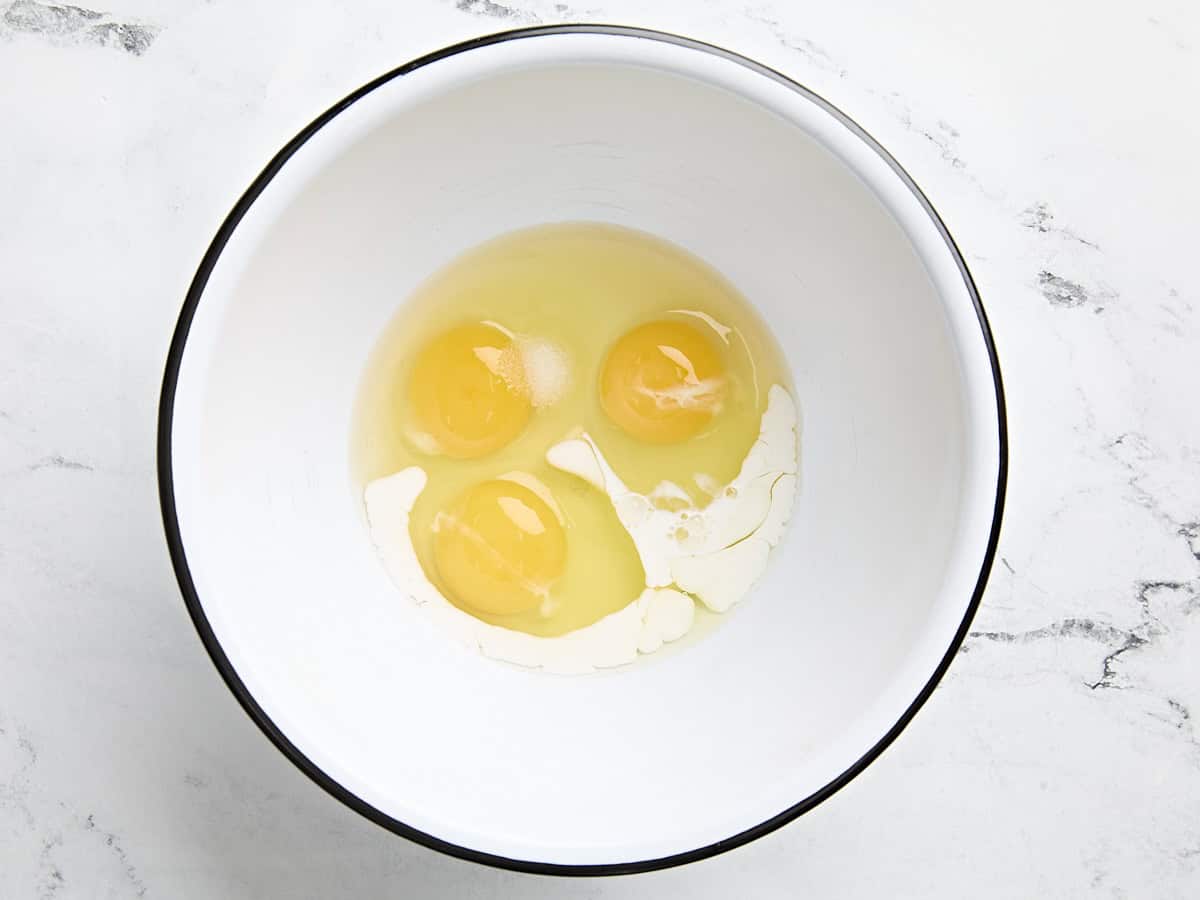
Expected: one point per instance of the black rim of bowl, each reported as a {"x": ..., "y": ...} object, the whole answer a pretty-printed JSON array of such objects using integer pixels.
[{"x": 195, "y": 607}]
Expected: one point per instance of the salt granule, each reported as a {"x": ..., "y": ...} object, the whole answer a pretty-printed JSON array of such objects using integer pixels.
[{"x": 537, "y": 368}]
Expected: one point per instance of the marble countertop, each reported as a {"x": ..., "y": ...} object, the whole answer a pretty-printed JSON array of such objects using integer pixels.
[{"x": 1061, "y": 755}]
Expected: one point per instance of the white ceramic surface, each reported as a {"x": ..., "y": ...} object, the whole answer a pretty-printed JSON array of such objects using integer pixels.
[{"x": 900, "y": 462}]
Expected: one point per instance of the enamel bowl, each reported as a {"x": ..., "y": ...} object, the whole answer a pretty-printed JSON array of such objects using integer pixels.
[{"x": 861, "y": 607}]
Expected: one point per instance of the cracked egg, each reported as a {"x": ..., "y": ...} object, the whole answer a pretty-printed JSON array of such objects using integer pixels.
[{"x": 573, "y": 440}]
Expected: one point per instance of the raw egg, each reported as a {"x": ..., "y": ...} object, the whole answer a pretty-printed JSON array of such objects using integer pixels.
[
  {"x": 499, "y": 548},
  {"x": 466, "y": 400},
  {"x": 570, "y": 440},
  {"x": 663, "y": 381}
]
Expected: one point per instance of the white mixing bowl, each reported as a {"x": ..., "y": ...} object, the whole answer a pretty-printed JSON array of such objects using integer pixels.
[{"x": 902, "y": 454}]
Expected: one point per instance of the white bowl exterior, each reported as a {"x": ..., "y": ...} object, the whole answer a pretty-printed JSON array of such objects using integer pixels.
[{"x": 899, "y": 460}]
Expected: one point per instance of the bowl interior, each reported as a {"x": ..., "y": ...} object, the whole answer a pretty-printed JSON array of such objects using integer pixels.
[{"x": 898, "y": 454}]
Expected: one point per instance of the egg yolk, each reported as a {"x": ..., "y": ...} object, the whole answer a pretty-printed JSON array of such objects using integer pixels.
[
  {"x": 459, "y": 395},
  {"x": 499, "y": 548},
  {"x": 663, "y": 382}
]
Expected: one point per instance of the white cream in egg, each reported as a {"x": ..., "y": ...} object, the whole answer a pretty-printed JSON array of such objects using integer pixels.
[
  {"x": 718, "y": 552},
  {"x": 714, "y": 554},
  {"x": 657, "y": 616}
]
